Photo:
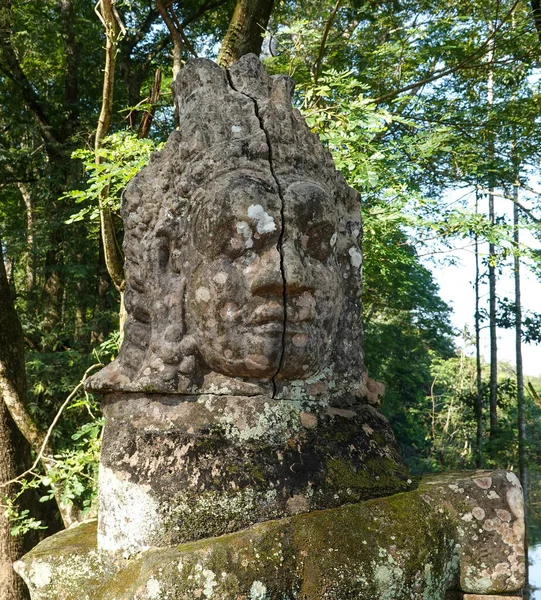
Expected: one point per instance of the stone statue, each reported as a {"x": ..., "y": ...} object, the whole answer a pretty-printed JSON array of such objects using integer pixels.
[
  {"x": 242, "y": 251},
  {"x": 239, "y": 403},
  {"x": 242, "y": 347}
]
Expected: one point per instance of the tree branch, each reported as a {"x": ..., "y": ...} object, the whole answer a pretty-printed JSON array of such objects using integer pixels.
[
  {"x": 536, "y": 13},
  {"x": 148, "y": 115},
  {"x": 11, "y": 67},
  {"x": 444, "y": 72},
  {"x": 175, "y": 37},
  {"x": 113, "y": 259},
  {"x": 525, "y": 210},
  {"x": 205, "y": 7},
  {"x": 328, "y": 27}
]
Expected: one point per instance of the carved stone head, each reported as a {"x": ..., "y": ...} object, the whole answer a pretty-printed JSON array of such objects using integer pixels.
[{"x": 242, "y": 247}]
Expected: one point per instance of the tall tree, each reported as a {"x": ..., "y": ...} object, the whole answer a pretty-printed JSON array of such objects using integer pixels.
[
  {"x": 246, "y": 30},
  {"x": 14, "y": 449},
  {"x": 478, "y": 369}
]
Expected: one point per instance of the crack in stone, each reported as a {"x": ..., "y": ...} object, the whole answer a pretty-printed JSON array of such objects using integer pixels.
[{"x": 279, "y": 245}]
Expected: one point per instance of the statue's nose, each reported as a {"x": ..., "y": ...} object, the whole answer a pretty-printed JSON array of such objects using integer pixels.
[
  {"x": 274, "y": 269},
  {"x": 265, "y": 274},
  {"x": 295, "y": 271}
]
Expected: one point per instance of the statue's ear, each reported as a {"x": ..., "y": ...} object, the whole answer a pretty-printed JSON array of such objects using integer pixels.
[{"x": 170, "y": 234}]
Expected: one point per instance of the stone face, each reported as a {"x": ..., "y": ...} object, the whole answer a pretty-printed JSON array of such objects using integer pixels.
[
  {"x": 410, "y": 546},
  {"x": 242, "y": 252},
  {"x": 239, "y": 415}
]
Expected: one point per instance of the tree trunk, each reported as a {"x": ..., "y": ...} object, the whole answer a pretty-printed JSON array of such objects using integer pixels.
[
  {"x": 14, "y": 450},
  {"x": 493, "y": 395},
  {"x": 479, "y": 392},
  {"x": 246, "y": 30},
  {"x": 30, "y": 250},
  {"x": 71, "y": 70},
  {"x": 521, "y": 400},
  {"x": 113, "y": 258},
  {"x": 176, "y": 36},
  {"x": 14, "y": 459}
]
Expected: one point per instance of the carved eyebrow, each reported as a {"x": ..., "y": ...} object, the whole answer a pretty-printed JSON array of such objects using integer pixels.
[
  {"x": 309, "y": 182},
  {"x": 259, "y": 181}
]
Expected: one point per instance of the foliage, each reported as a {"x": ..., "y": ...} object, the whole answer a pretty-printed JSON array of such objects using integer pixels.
[
  {"x": 399, "y": 94},
  {"x": 531, "y": 322},
  {"x": 74, "y": 468},
  {"x": 122, "y": 155},
  {"x": 448, "y": 420}
]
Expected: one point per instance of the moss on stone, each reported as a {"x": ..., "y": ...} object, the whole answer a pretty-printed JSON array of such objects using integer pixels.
[{"x": 393, "y": 548}]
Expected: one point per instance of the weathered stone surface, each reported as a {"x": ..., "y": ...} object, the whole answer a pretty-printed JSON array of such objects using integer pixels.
[
  {"x": 490, "y": 515},
  {"x": 410, "y": 546},
  {"x": 223, "y": 463},
  {"x": 396, "y": 548},
  {"x": 242, "y": 246}
]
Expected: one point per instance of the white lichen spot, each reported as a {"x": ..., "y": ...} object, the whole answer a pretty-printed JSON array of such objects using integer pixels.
[
  {"x": 258, "y": 591},
  {"x": 493, "y": 495},
  {"x": 515, "y": 499},
  {"x": 132, "y": 514},
  {"x": 236, "y": 129},
  {"x": 367, "y": 429},
  {"x": 467, "y": 517},
  {"x": 246, "y": 231},
  {"x": 265, "y": 223},
  {"x": 154, "y": 589},
  {"x": 41, "y": 574},
  {"x": 220, "y": 278},
  {"x": 478, "y": 513},
  {"x": 389, "y": 580},
  {"x": 355, "y": 233},
  {"x": 356, "y": 258},
  {"x": 202, "y": 294},
  {"x": 513, "y": 479},
  {"x": 334, "y": 237},
  {"x": 209, "y": 582}
]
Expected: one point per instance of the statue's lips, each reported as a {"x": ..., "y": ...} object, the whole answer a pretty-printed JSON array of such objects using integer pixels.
[
  {"x": 269, "y": 317},
  {"x": 277, "y": 327}
]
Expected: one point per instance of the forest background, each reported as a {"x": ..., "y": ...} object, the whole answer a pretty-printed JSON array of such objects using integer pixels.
[{"x": 432, "y": 110}]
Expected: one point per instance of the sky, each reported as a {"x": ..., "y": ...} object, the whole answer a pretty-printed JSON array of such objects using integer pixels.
[{"x": 456, "y": 288}]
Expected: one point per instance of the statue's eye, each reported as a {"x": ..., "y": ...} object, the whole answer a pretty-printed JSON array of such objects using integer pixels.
[
  {"x": 239, "y": 240},
  {"x": 317, "y": 241}
]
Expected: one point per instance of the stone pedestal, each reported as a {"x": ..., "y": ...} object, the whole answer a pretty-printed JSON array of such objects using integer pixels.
[{"x": 176, "y": 468}]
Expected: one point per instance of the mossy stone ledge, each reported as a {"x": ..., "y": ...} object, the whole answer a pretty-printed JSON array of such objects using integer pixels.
[{"x": 453, "y": 535}]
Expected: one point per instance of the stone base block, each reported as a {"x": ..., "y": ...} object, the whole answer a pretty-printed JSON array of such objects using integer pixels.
[
  {"x": 455, "y": 532},
  {"x": 175, "y": 469}
]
